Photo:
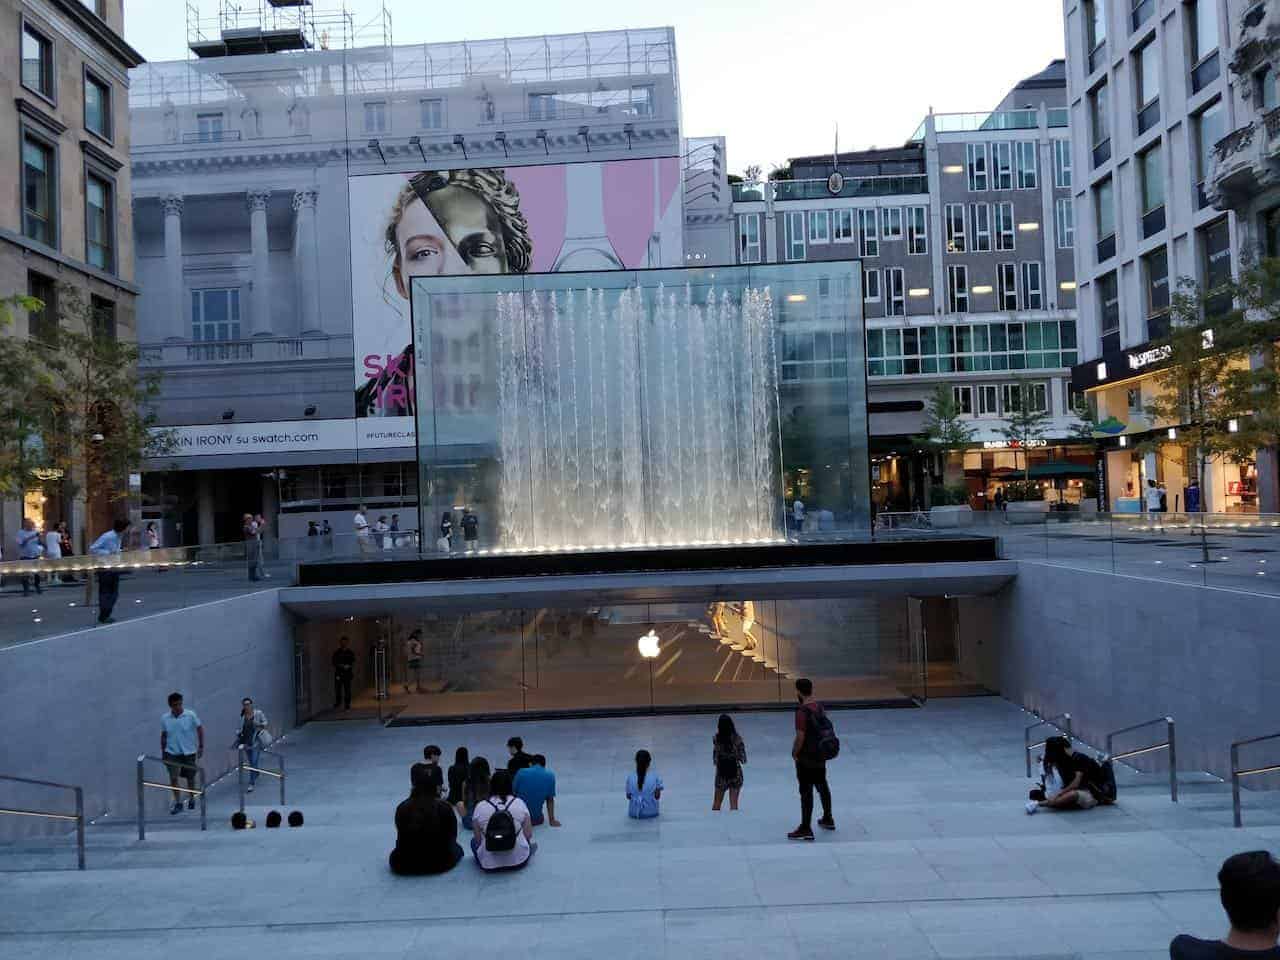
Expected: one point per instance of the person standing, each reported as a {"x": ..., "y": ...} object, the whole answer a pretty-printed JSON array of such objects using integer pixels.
[
  {"x": 361, "y": 524},
  {"x": 326, "y": 531},
  {"x": 181, "y": 745},
  {"x": 811, "y": 767},
  {"x": 107, "y": 545},
  {"x": 261, "y": 523},
  {"x": 53, "y": 543},
  {"x": 396, "y": 542},
  {"x": 30, "y": 547},
  {"x": 446, "y": 527},
  {"x": 381, "y": 529},
  {"x": 253, "y": 726},
  {"x": 250, "y": 529},
  {"x": 152, "y": 536},
  {"x": 797, "y": 515},
  {"x": 413, "y": 662},
  {"x": 344, "y": 668},
  {"x": 470, "y": 531},
  {"x": 728, "y": 753}
]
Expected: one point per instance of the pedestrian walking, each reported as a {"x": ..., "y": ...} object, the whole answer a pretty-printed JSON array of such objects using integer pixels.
[
  {"x": 151, "y": 536},
  {"x": 344, "y": 666},
  {"x": 360, "y": 522},
  {"x": 811, "y": 749},
  {"x": 252, "y": 736},
  {"x": 261, "y": 522},
  {"x": 250, "y": 529},
  {"x": 181, "y": 745},
  {"x": 30, "y": 547},
  {"x": 109, "y": 544},
  {"x": 413, "y": 662},
  {"x": 728, "y": 753},
  {"x": 470, "y": 531}
]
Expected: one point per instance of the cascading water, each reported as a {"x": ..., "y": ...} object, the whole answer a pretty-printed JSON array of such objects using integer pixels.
[{"x": 630, "y": 420}]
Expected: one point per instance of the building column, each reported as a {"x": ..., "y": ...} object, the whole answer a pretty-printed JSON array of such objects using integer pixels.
[
  {"x": 175, "y": 296},
  {"x": 260, "y": 297},
  {"x": 306, "y": 254},
  {"x": 204, "y": 507}
]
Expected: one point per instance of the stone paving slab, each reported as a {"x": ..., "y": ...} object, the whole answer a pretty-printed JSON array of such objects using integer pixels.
[{"x": 934, "y": 858}]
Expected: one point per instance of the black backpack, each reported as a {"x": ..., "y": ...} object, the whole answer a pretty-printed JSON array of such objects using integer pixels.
[
  {"x": 500, "y": 831},
  {"x": 826, "y": 745},
  {"x": 1099, "y": 777}
]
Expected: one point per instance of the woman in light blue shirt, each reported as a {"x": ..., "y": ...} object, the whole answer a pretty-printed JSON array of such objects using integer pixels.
[{"x": 644, "y": 789}]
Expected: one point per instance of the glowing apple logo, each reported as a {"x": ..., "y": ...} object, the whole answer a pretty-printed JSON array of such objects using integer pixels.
[{"x": 648, "y": 645}]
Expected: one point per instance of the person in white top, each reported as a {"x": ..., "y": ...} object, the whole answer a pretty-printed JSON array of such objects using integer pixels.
[
  {"x": 108, "y": 544},
  {"x": 797, "y": 514},
  {"x": 53, "y": 544},
  {"x": 1155, "y": 500},
  {"x": 361, "y": 523},
  {"x": 516, "y": 851}
]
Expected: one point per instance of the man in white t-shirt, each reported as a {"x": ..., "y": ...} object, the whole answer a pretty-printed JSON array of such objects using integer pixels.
[
  {"x": 501, "y": 799},
  {"x": 1155, "y": 499},
  {"x": 363, "y": 541}
]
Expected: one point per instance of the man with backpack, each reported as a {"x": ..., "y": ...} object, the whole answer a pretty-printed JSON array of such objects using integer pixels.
[{"x": 815, "y": 743}]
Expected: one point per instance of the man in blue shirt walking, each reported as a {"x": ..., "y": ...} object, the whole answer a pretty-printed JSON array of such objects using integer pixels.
[
  {"x": 109, "y": 544},
  {"x": 181, "y": 745},
  {"x": 535, "y": 784}
]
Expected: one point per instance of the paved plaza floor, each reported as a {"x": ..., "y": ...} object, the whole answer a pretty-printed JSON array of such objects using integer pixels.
[{"x": 934, "y": 856}]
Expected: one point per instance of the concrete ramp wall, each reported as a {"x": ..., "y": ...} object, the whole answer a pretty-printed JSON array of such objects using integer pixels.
[
  {"x": 1114, "y": 651},
  {"x": 79, "y": 708}
]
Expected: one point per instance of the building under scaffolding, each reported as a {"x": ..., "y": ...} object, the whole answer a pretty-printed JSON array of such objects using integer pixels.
[{"x": 275, "y": 26}]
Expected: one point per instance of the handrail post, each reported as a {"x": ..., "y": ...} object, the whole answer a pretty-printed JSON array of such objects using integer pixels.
[
  {"x": 1026, "y": 749},
  {"x": 1173, "y": 764},
  {"x": 240, "y": 773},
  {"x": 142, "y": 820},
  {"x": 204, "y": 788},
  {"x": 80, "y": 826},
  {"x": 1067, "y": 717},
  {"x": 280, "y": 758},
  {"x": 1235, "y": 785}
]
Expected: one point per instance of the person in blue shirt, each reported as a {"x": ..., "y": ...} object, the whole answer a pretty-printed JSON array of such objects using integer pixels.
[
  {"x": 182, "y": 746},
  {"x": 644, "y": 789},
  {"x": 30, "y": 547},
  {"x": 536, "y": 784},
  {"x": 109, "y": 544}
]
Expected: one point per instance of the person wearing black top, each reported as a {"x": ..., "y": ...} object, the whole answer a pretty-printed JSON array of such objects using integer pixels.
[
  {"x": 1250, "y": 889},
  {"x": 446, "y": 526},
  {"x": 519, "y": 759},
  {"x": 426, "y": 829},
  {"x": 344, "y": 666},
  {"x": 458, "y": 774},
  {"x": 470, "y": 530}
]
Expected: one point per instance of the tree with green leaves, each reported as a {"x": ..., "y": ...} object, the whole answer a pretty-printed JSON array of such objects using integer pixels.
[
  {"x": 1025, "y": 425},
  {"x": 21, "y": 447},
  {"x": 945, "y": 428},
  {"x": 87, "y": 402}
]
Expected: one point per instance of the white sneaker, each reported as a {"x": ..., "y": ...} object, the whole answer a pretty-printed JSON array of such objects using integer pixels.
[
  {"x": 1032, "y": 806},
  {"x": 250, "y": 788}
]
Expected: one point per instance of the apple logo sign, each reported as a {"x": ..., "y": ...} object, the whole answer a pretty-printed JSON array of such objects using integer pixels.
[{"x": 648, "y": 645}]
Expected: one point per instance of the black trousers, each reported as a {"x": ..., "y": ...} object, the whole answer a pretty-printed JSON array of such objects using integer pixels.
[
  {"x": 108, "y": 593},
  {"x": 342, "y": 690},
  {"x": 810, "y": 777}
]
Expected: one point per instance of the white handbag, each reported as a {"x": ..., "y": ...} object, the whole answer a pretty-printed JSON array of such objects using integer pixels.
[{"x": 264, "y": 738}]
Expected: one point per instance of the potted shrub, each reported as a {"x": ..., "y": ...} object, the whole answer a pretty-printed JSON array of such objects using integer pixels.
[
  {"x": 1025, "y": 502},
  {"x": 952, "y": 507}
]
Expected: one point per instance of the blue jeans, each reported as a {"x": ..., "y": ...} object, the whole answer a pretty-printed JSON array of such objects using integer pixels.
[{"x": 251, "y": 760}]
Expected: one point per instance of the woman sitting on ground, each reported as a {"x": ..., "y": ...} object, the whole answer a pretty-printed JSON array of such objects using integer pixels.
[
  {"x": 502, "y": 828},
  {"x": 728, "y": 753},
  {"x": 644, "y": 789},
  {"x": 457, "y": 780},
  {"x": 475, "y": 790},
  {"x": 426, "y": 829},
  {"x": 1067, "y": 783}
]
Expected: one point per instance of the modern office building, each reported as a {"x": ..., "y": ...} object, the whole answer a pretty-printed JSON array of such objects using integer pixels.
[
  {"x": 65, "y": 220},
  {"x": 1153, "y": 91},
  {"x": 965, "y": 235},
  {"x": 271, "y": 184}
]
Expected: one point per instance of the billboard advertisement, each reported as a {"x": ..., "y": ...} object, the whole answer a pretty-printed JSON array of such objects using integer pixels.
[{"x": 608, "y": 215}]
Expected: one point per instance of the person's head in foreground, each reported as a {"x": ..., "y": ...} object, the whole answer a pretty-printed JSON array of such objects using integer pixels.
[{"x": 1250, "y": 888}]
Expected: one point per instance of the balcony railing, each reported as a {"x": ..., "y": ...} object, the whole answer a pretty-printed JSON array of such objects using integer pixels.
[
  {"x": 259, "y": 350},
  {"x": 1271, "y": 120},
  {"x": 1141, "y": 13},
  {"x": 1233, "y": 143},
  {"x": 211, "y": 136},
  {"x": 1106, "y": 248},
  {"x": 997, "y": 120},
  {"x": 1148, "y": 116},
  {"x": 818, "y": 189},
  {"x": 1101, "y": 152},
  {"x": 1097, "y": 56},
  {"x": 1205, "y": 72},
  {"x": 1153, "y": 221},
  {"x": 1059, "y": 117}
]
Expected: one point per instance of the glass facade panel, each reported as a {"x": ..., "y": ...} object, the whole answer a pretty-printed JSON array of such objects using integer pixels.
[{"x": 645, "y": 408}]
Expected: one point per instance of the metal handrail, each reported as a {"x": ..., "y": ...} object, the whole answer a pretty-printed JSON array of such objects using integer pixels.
[
  {"x": 78, "y": 816},
  {"x": 1237, "y": 773},
  {"x": 143, "y": 783},
  {"x": 1169, "y": 744},
  {"x": 1046, "y": 722},
  {"x": 241, "y": 767}
]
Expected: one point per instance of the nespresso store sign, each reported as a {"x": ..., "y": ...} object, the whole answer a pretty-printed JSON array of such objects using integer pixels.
[
  {"x": 1114, "y": 367},
  {"x": 1145, "y": 358}
]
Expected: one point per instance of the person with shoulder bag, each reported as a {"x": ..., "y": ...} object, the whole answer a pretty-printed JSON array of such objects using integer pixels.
[
  {"x": 252, "y": 736},
  {"x": 503, "y": 828},
  {"x": 728, "y": 753}
]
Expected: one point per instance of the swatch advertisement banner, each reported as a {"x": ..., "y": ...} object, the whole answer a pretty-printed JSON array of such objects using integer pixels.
[
  {"x": 610, "y": 215},
  {"x": 289, "y": 436}
]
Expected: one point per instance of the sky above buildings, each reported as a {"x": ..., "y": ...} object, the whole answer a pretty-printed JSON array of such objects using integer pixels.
[{"x": 774, "y": 78}]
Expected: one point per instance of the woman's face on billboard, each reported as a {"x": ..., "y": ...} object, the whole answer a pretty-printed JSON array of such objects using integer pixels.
[{"x": 454, "y": 232}]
